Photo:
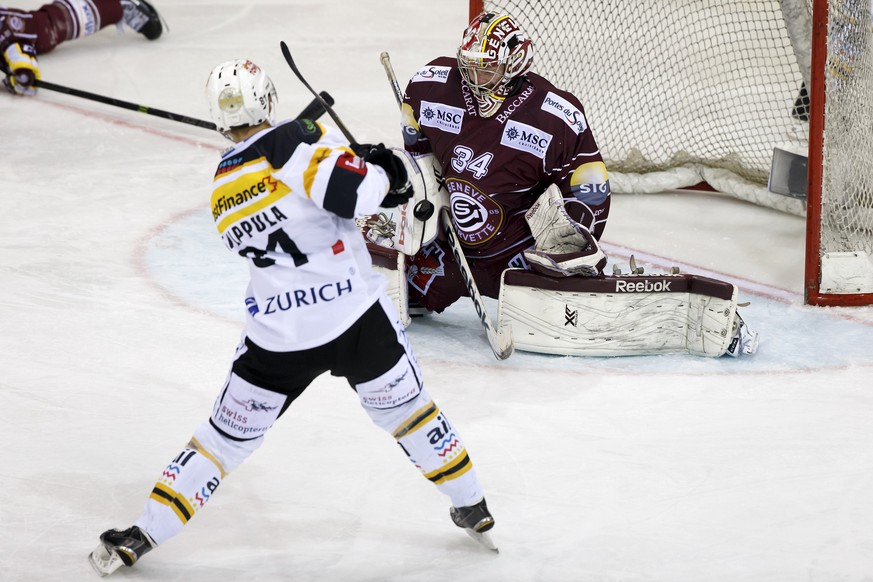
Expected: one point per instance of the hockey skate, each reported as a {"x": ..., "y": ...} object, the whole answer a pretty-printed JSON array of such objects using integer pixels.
[
  {"x": 120, "y": 547},
  {"x": 476, "y": 521},
  {"x": 142, "y": 17}
]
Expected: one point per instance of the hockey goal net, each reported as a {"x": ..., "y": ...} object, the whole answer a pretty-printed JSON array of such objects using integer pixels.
[{"x": 685, "y": 92}]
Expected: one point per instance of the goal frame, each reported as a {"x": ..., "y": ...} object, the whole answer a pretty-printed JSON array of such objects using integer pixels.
[
  {"x": 815, "y": 174},
  {"x": 812, "y": 263}
]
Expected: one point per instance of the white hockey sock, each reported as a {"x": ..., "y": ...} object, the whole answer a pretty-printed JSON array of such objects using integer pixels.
[
  {"x": 435, "y": 447},
  {"x": 184, "y": 487},
  {"x": 190, "y": 480}
]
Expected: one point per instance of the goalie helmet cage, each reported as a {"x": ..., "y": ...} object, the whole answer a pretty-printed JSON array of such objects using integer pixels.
[{"x": 688, "y": 92}]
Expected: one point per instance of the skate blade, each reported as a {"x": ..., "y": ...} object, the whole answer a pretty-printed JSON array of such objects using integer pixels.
[
  {"x": 104, "y": 561},
  {"x": 483, "y": 539}
]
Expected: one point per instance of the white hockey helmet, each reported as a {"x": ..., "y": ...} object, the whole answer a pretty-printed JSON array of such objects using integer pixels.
[{"x": 240, "y": 94}]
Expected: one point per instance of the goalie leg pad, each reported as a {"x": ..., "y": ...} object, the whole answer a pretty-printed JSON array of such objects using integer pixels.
[
  {"x": 618, "y": 316},
  {"x": 392, "y": 265}
]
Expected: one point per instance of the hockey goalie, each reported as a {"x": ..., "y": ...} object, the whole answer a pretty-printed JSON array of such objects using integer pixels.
[
  {"x": 560, "y": 302},
  {"x": 514, "y": 161}
]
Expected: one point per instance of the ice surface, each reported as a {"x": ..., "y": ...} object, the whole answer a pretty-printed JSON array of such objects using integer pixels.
[{"x": 120, "y": 311}]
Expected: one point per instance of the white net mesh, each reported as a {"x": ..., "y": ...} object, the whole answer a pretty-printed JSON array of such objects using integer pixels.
[
  {"x": 684, "y": 91},
  {"x": 675, "y": 89},
  {"x": 847, "y": 188}
]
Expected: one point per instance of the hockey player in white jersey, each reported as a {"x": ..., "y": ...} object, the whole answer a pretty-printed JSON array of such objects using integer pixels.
[{"x": 285, "y": 198}]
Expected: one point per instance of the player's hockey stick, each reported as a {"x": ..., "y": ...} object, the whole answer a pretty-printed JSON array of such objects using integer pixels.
[
  {"x": 327, "y": 106},
  {"x": 314, "y": 110},
  {"x": 501, "y": 342}
]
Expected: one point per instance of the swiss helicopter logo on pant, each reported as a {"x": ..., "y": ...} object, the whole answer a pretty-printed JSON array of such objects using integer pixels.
[{"x": 253, "y": 405}]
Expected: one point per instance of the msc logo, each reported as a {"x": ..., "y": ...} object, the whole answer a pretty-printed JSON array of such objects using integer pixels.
[
  {"x": 441, "y": 116},
  {"x": 526, "y": 138}
]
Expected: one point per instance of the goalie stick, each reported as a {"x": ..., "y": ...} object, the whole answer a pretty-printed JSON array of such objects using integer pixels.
[
  {"x": 314, "y": 110},
  {"x": 500, "y": 341}
]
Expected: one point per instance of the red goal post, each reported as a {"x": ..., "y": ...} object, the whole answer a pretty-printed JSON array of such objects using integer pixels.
[{"x": 711, "y": 91}]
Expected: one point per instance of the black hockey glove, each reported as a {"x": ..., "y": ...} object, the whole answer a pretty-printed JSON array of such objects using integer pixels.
[{"x": 399, "y": 188}]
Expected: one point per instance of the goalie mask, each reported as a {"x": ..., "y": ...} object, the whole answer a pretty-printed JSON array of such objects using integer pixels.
[
  {"x": 240, "y": 94},
  {"x": 494, "y": 55}
]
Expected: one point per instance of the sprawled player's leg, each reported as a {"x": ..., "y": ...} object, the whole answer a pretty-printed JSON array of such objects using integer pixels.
[
  {"x": 397, "y": 402},
  {"x": 63, "y": 20}
]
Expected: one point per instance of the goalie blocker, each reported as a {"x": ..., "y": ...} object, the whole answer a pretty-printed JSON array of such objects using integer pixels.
[{"x": 622, "y": 315}]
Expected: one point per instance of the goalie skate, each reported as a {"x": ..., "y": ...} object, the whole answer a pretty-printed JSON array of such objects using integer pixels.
[
  {"x": 120, "y": 548},
  {"x": 476, "y": 520}
]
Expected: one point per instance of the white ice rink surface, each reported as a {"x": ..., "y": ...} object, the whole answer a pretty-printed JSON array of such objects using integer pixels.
[{"x": 120, "y": 310}]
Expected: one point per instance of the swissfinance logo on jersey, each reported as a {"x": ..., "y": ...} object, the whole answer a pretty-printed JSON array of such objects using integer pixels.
[
  {"x": 520, "y": 136},
  {"x": 441, "y": 116},
  {"x": 432, "y": 75},
  {"x": 560, "y": 107}
]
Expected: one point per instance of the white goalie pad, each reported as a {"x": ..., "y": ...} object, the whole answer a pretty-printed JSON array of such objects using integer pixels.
[
  {"x": 392, "y": 265},
  {"x": 618, "y": 316},
  {"x": 399, "y": 228}
]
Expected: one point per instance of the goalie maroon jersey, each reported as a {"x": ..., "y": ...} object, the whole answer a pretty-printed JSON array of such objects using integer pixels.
[{"x": 496, "y": 167}]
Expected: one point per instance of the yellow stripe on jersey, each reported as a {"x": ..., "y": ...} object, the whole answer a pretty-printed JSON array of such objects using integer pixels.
[
  {"x": 450, "y": 471},
  {"x": 418, "y": 419},
  {"x": 309, "y": 175},
  {"x": 246, "y": 189}
]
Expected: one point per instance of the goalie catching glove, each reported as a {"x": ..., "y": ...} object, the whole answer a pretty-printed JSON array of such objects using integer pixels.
[
  {"x": 400, "y": 188},
  {"x": 563, "y": 246}
]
